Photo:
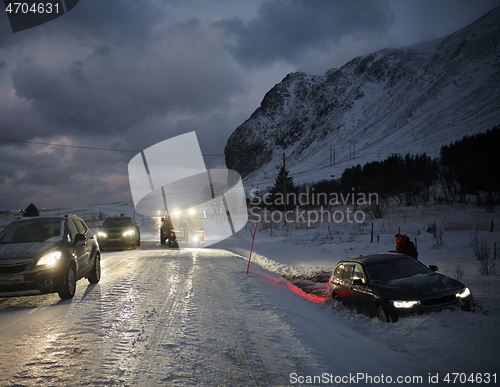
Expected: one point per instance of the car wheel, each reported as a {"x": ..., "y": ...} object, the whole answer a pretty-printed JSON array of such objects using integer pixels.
[
  {"x": 381, "y": 313},
  {"x": 68, "y": 287},
  {"x": 172, "y": 242},
  {"x": 162, "y": 239},
  {"x": 95, "y": 275},
  {"x": 139, "y": 241},
  {"x": 335, "y": 297}
]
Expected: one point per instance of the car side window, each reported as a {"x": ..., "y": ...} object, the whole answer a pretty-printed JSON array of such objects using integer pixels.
[
  {"x": 358, "y": 274},
  {"x": 82, "y": 228},
  {"x": 347, "y": 274},
  {"x": 73, "y": 230},
  {"x": 338, "y": 271}
]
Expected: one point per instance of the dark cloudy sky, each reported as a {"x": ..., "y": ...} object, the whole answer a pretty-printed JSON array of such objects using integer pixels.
[{"x": 126, "y": 74}]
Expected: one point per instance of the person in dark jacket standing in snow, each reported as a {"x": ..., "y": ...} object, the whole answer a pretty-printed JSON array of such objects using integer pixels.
[{"x": 405, "y": 246}]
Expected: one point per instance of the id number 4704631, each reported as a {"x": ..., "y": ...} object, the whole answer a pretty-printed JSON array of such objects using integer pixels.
[
  {"x": 463, "y": 378},
  {"x": 32, "y": 8}
]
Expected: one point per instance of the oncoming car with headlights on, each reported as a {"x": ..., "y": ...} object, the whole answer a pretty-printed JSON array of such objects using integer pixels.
[
  {"x": 47, "y": 254},
  {"x": 120, "y": 231},
  {"x": 387, "y": 286}
]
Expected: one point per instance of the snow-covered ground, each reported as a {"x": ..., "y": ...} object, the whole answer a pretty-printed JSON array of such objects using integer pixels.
[
  {"x": 463, "y": 342},
  {"x": 257, "y": 329}
]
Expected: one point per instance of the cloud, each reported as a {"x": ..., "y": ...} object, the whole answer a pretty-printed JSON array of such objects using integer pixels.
[
  {"x": 287, "y": 30},
  {"x": 52, "y": 176},
  {"x": 103, "y": 87},
  {"x": 101, "y": 83},
  {"x": 425, "y": 20}
]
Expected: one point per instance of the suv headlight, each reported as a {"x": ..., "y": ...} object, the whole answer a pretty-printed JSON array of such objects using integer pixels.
[
  {"x": 102, "y": 234},
  {"x": 49, "y": 259},
  {"x": 129, "y": 233},
  {"x": 404, "y": 304},
  {"x": 464, "y": 293}
]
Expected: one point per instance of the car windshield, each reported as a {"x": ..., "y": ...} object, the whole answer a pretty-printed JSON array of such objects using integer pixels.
[
  {"x": 36, "y": 230},
  {"x": 117, "y": 222},
  {"x": 395, "y": 269}
]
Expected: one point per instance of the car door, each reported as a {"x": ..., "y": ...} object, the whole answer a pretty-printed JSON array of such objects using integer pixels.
[
  {"x": 80, "y": 250},
  {"x": 343, "y": 282},
  {"x": 89, "y": 242},
  {"x": 361, "y": 295}
]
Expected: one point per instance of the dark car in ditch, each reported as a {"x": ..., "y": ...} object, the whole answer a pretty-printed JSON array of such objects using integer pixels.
[
  {"x": 119, "y": 232},
  {"x": 47, "y": 254},
  {"x": 390, "y": 285}
]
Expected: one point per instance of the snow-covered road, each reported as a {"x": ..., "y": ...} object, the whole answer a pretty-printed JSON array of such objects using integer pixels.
[{"x": 162, "y": 317}]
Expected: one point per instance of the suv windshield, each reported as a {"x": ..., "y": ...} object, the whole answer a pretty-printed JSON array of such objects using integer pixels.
[
  {"x": 117, "y": 222},
  {"x": 36, "y": 230},
  {"x": 395, "y": 269}
]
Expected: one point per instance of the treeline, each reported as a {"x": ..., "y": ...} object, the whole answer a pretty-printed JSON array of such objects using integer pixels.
[
  {"x": 470, "y": 166},
  {"x": 407, "y": 179}
]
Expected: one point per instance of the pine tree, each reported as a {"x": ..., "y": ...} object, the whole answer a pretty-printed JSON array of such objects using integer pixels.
[{"x": 279, "y": 195}]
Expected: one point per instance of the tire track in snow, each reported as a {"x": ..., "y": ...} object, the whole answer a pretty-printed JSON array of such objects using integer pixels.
[{"x": 159, "y": 343}]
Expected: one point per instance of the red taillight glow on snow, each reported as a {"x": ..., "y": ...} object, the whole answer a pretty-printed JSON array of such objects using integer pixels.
[{"x": 311, "y": 297}]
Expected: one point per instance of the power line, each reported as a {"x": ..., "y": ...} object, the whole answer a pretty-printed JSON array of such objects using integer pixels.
[
  {"x": 68, "y": 146},
  {"x": 99, "y": 149}
]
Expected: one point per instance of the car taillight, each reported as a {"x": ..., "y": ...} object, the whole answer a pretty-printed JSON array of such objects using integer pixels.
[{"x": 172, "y": 234}]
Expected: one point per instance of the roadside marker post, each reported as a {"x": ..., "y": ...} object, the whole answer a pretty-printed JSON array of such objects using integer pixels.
[{"x": 251, "y": 247}]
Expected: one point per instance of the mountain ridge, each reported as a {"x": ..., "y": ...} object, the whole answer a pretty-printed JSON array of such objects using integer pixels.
[{"x": 404, "y": 100}]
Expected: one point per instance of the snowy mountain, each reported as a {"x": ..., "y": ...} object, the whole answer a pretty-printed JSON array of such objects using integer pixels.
[{"x": 408, "y": 100}]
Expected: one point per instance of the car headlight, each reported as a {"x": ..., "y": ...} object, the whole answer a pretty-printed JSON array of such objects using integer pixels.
[
  {"x": 129, "y": 233},
  {"x": 404, "y": 304},
  {"x": 50, "y": 259},
  {"x": 102, "y": 234},
  {"x": 464, "y": 293}
]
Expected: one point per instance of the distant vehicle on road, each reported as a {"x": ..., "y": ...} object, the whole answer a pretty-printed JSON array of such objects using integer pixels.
[
  {"x": 120, "y": 231},
  {"x": 183, "y": 227},
  {"x": 47, "y": 254},
  {"x": 387, "y": 286}
]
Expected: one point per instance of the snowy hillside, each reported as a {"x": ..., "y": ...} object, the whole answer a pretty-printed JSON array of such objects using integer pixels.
[{"x": 409, "y": 100}]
